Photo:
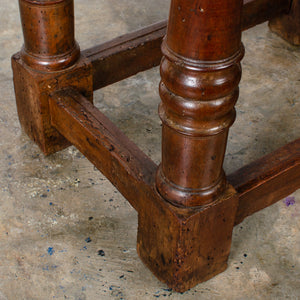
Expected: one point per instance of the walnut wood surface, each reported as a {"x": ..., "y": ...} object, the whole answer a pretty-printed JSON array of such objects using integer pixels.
[
  {"x": 186, "y": 207},
  {"x": 267, "y": 180},
  {"x": 126, "y": 55},
  {"x": 49, "y": 60},
  {"x": 141, "y": 50},
  {"x": 32, "y": 89},
  {"x": 256, "y": 12},
  {"x": 49, "y": 43},
  {"x": 172, "y": 234},
  {"x": 119, "y": 159},
  {"x": 198, "y": 90},
  {"x": 168, "y": 237},
  {"x": 259, "y": 184}
]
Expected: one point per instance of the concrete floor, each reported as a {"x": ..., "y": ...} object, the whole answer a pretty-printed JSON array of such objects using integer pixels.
[{"x": 65, "y": 231}]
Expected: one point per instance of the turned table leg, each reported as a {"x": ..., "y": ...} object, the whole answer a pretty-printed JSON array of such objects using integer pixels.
[
  {"x": 45, "y": 64},
  {"x": 200, "y": 73},
  {"x": 186, "y": 208},
  {"x": 48, "y": 29}
]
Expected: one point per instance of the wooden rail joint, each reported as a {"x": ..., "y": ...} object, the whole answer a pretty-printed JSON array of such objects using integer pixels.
[
  {"x": 181, "y": 246},
  {"x": 32, "y": 89},
  {"x": 186, "y": 207},
  {"x": 169, "y": 238},
  {"x": 50, "y": 59}
]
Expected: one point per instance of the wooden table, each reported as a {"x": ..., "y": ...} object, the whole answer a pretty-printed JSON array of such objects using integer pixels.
[{"x": 187, "y": 207}]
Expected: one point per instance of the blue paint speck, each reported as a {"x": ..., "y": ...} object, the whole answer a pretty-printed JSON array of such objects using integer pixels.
[
  {"x": 50, "y": 250},
  {"x": 289, "y": 201},
  {"x": 88, "y": 240},
  {"x": 50, "y": 203},
  {"x": 47, "y": 268}
]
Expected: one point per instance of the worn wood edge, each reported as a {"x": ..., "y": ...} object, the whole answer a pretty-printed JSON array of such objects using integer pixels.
[
  {"x": 258, "y": 184},
  {"x": 118, "y": 158},
  {"x": 138, "y": 51},
  {"x": 259, "y": 11},
  {"x": 126, "y": 55},
  {"x": 267, "y": 180},
  {"x": 122, "y": 40}
]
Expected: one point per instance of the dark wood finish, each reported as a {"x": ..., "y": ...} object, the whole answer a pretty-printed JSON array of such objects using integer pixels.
[
  {"x": 32, "y": 90},
  {"x": 49, "y": 47},
  {"x": 186, "y": 207},
  {"x": 288, "y": 25},
  {"x": 256, "y": 12},
  {"x": 138, "y": 51},
  {"x": 183, "y": 247},
  {"x": 119, "y": 159},
  {"x": 49, "y": 42},
  {"x": 169, "y": 239},
  {"x": 267, "y": 180},
  {"x": 126, "y": 55},
  {"x": 198, "y": 89},
  {"x": 113, "y": 153}
]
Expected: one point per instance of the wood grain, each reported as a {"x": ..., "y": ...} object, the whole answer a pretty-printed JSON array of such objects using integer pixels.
[
  {"x": 141, "y": 50},
  {"x": 267, "y": 180},
  {"x": 119, "y": 159},
  {"x": 168, "y": 237}
]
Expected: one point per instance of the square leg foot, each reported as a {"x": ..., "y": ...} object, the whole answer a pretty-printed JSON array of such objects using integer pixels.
[
  {"x": 184, "y": 247},
  {"x": 32, "y": 89}
]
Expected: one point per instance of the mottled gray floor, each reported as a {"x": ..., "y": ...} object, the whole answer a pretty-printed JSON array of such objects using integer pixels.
[{"x": 58, "y": 212}]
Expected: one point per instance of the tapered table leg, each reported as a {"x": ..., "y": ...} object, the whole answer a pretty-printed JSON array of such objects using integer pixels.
[{"x": 45, "y": 64}]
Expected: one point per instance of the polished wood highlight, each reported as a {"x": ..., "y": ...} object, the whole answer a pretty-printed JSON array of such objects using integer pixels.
[
  {"x": 138, "y": 51},
  {"x": 112, "y": 153},
  {"x": 49, "y": 42},
  {"x": 187, "y": 207},
  {"x": 49, "y": 60},
  {"x": 198, "y": 89}
]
